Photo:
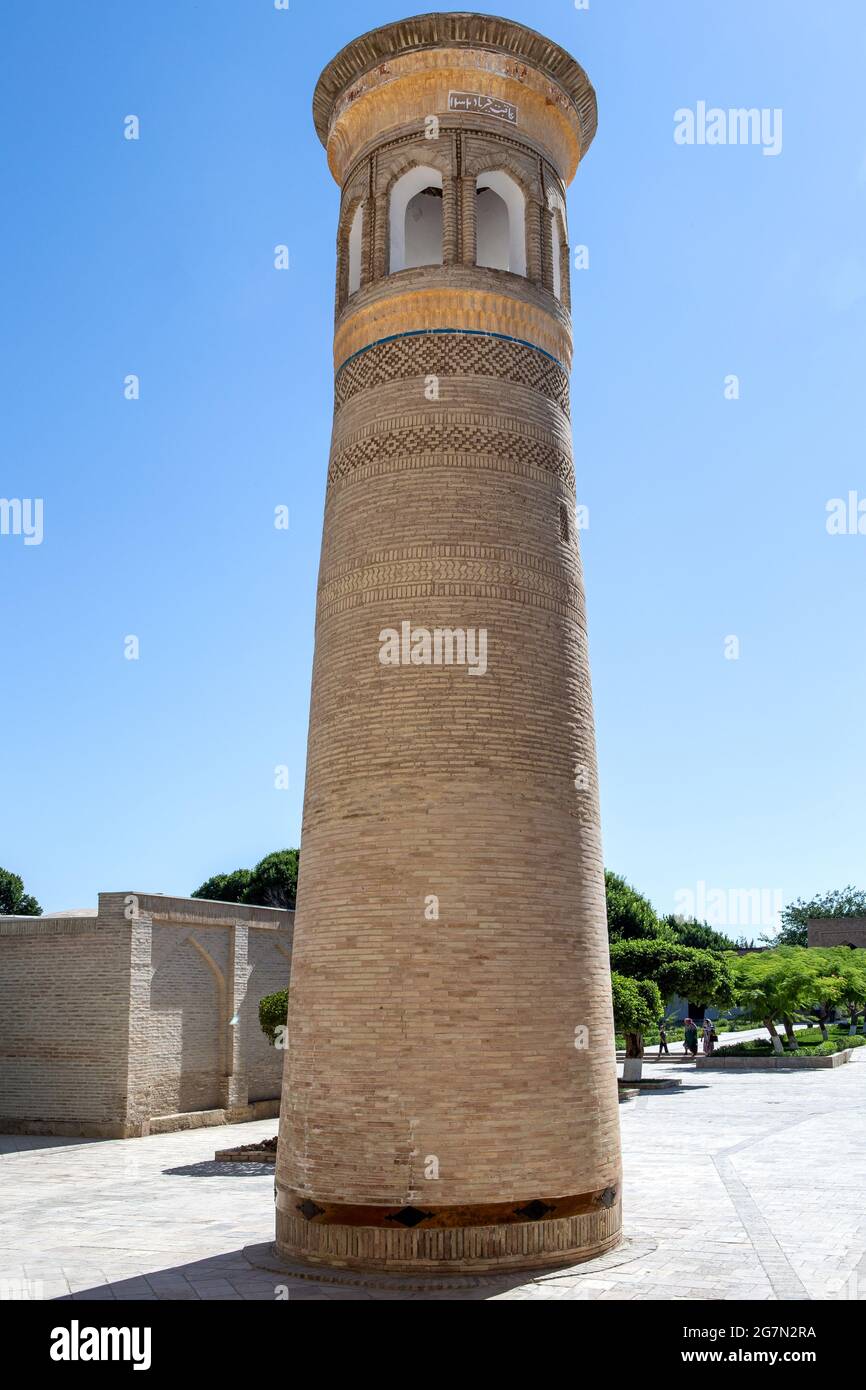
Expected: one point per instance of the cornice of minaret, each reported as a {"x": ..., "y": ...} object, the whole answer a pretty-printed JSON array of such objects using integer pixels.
[{"x": 407, "y": 71}]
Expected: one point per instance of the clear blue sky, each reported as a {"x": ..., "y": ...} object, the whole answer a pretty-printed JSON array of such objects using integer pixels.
[{"x": 707, "y": 516}]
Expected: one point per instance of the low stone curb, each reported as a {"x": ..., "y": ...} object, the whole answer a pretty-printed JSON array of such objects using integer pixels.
[
  {"x": 650, "y": 1084},
  {"x": 788, "y": 1062}
]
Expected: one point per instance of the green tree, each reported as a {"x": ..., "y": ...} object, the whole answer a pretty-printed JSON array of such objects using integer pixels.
[
  {"x": 844, "y": 971},
  {"x": 637, "y": 1005},
  {"x": 272, "y": 883},
  {"x": 274, "y": 880},
  {"x": 225, "y": 888},
  {"x": 704, "y": 976},
  {"x": 839, "y": 902},
  {"x": 14, "y": 902},
  {"x": 630, "y": 916},
  {"x": 691, "y": 932},
  {"x": 785, "y": 983}
]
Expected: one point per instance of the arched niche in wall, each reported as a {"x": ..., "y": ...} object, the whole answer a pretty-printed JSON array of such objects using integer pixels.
[
  {"x": 557, "y": 256},
  {"x": 356, "y": 232},
  {"x": 559, "y": 251},
  {"x": 415, "y": 220},
  {"x": 500, "y": 210}
]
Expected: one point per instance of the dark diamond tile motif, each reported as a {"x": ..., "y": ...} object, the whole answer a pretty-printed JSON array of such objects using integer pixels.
[
  {"x": 308, "y": 1209},
  {"x": 410, "y": 1216},
  {"x": 533, "y": 1210}
]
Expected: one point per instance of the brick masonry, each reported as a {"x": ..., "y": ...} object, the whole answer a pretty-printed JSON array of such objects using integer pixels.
[
  {"x": 117, "y": 1023},
  {"x": 437, "y": 1113},
  {"x": 837, "y": 931}
]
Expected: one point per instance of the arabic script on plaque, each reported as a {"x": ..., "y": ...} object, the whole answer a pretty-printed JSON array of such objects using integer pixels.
[{"x": 482, "y": 105}]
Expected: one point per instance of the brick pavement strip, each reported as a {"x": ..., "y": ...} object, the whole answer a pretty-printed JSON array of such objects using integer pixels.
[{"x": 737, "y": 1185}]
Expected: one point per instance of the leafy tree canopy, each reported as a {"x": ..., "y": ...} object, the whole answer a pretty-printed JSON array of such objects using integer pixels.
[
  {"x": 849, "y": 968},
  {"x": 272, "y": 883},
  {"x": 637, "y": 1004},
  {"x": 274, "y": 880},
  {"x": 630, "y": 916},
  {"x": 225, "y": 888},
  {"x": 13, "y": 900},
  {"x": 786, "y": 981},
  {"x": 703, "y": 976},
  {"x": 691, "y": 932}
]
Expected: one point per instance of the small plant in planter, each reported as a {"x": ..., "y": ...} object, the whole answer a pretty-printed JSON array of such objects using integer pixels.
[
  {"x": 637, "y": 1005},
  {"x": 273, "y": 1010}
]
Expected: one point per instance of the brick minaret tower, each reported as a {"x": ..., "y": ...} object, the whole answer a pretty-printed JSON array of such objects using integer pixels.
[{"x": 450, "y": 1095}]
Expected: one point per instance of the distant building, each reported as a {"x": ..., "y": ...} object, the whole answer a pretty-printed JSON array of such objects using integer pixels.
[
  {"x": 140, "y": 1016},
  {"x": 837, "y": 931}
]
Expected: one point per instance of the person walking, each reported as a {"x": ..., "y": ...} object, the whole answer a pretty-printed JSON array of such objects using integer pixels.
[
  {"x": 663, "y": 1039},
  {"x": 711, "y": 1037},
  {"x": 690, "y": 1038}
]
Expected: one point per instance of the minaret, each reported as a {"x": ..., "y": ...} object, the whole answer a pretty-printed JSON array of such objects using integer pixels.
[{"x": 450, "y": 1095}]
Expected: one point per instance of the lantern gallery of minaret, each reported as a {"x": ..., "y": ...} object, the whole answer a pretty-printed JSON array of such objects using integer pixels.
[{"x": 450, "y": 1094}]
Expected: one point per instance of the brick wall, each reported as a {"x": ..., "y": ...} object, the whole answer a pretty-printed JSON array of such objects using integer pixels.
[
  {"x": 837, "y": 931},
  {"x": 116, "y": 1019},
  {"x": 63, "y": 1021}
]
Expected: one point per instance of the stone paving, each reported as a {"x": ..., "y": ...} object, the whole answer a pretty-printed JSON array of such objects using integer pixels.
[{"x": 738, "y": 1185}]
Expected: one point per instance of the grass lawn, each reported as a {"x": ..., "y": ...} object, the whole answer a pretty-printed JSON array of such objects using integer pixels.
[{"x": 809, "y": 1043}]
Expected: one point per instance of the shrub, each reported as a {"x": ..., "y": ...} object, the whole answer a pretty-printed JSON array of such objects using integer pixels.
[
  {"x": 759, "y": 1048},
  {"x": 272, "y": 1013}
]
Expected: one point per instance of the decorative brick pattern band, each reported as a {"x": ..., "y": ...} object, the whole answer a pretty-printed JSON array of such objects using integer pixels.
[
  {"x": 430, "y": 1216},
  {"x": 471, "y": 299},
  {"x": 449, "y": 440},
  {"x": 520, "y": 1245},
  {"x": 451, "y": 570},
  {"x": 452, "y": 353}
]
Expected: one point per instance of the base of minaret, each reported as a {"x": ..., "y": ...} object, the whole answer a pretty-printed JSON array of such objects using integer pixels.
[{"x": 541, "y": 1233}]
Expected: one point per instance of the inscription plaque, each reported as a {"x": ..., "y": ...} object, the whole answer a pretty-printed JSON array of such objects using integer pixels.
[{"x": 483, "y": 105}]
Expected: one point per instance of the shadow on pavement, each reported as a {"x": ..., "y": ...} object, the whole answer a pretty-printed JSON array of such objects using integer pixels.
[{"x": 215, "y": 1169}]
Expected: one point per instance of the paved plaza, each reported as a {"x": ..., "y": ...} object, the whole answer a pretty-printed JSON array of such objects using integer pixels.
[{"x": 746, "y": 1185}]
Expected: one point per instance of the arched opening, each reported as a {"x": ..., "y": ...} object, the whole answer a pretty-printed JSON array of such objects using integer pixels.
[
  {"x": 416, "y": 219},
  {"x": 355, "y": 238},
  {"x": 557, "y": 257},
  {"x": 500, "y": 212}
]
